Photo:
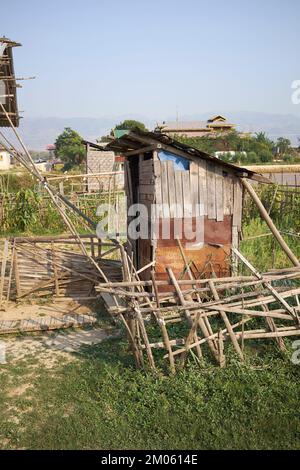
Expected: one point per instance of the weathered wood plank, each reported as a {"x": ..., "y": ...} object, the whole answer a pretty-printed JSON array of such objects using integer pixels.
[
  {"x": 164, "y": 190},
  {"x": 194, "y": 188},
  {"x": 202, "y": 186},
  {"x": 237, "y": 204},
  {"x": 171, "y": 188},
  {"x": 219, "y": 194},
  {"x": 228, "y": 195},
  {"x": 186, "y": 190},
  {"x": 158, "y": 194},
  {"x": 178, "y": 193},
  {"x": 211, "y": 191}
]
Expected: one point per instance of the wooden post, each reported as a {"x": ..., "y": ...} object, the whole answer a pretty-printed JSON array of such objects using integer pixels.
[
  {"x": 17, "y": 274},
  {"x": 270, "y": 223},
  {"x": 3, "y": 269},
  {"x": 55, "y": 271},
  {"x": 61, "y": 188}
]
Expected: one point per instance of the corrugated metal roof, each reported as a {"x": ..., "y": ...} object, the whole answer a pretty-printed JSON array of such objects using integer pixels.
[
  {"x": 184, "y": 125},
  {"x": 174, "y": 126},
  {"x": 137, "y": 139}
]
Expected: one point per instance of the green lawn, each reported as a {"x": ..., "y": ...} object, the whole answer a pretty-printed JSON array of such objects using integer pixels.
[{"x": 100, "y": 401}]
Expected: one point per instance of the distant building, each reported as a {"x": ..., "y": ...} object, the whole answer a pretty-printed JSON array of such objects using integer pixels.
[
  {"x": 211, "y": 127},
  {"x": 44, "y": 166},
  {"x": 98, "y": 160},
  {"x": 5, "y": 160},
  {"x": 51, "y": 149}
]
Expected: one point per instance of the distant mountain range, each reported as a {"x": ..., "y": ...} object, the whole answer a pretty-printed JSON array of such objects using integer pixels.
[{"x": 39, "y": 132}]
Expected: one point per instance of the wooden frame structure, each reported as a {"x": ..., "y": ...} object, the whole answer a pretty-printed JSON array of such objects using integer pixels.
[
  {"x": 55, "y": 266},
  {"x": 211, "y": 312},
  {"x": 8, "y": 84}
]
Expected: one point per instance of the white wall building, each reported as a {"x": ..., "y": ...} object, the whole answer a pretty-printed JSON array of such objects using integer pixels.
[{"x": 5, "y": 160}]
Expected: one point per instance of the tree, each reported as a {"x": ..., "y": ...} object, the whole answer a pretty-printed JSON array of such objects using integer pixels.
[
  {"x": 266, "y": 156},
  {"x": 126, "y": 125},
  {"x": 252, "y": 157},
  {"x": 130, "y": 124},
  {"x": 69, "y": 148},
  {"x": 262, "y": 138},
  {"x": 283, "y": 145}
]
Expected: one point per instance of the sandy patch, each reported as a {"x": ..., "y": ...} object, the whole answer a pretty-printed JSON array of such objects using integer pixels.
[
  {"x": 18, "y": 391},
  {"x": 52, "y": 349}
]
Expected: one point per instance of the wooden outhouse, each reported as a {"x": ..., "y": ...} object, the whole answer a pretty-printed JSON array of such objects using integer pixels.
[{"x": 182, "y": 185}]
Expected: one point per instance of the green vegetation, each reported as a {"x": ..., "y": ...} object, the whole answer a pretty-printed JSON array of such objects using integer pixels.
[
  {"x": 248, "y": 149},
  {"x": 126, "y": 125},
  {"x": 28, "y": 212},
  {"x": 129, "y": 124},
  {"x": 14, "y": 182},
  {"x": 283, "y": 204},
  {"x": 101, "y": 402},
  {"x": 69, "y": 148}
]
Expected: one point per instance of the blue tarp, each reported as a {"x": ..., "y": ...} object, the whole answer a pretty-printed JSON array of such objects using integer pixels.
[{"x": 180, "y": 163}]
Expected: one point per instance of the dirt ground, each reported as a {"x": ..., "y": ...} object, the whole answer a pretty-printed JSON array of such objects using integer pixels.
[
  {"x": 40, "y": 309},
  {"x": 51, "y": 347}
]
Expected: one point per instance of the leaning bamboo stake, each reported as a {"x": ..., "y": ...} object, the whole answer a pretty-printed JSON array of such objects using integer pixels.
[
  {"x": 162, "y": 324},
  {"x": 273, "y": 291},
  {"x": 10, "y": 276},
  {"x": 273, "y": 328},
  {"x": 227, "y": 322},
  {"x": 270, "y": 223},
  {"x": 3, "y": 269},
  {"x": 222, "y": 358},
  {"x": 55, "y": 271},
  {"x": 131, "y": 322},
  {"x": 188, "y": 316},
  {"x": 215, "y": 335},
  {"x": 190, "y": 274}
]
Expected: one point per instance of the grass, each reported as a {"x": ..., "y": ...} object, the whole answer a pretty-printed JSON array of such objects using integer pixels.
[
  {"x": 265, "y": 253},
  {"x": 101, "y": 402}
]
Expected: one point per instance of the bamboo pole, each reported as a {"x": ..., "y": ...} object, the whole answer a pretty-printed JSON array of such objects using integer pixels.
[
  {"x": 270, "y": 223},
  {"x": 227, "y": 322},
  {"x": 188, "y": 316},
  {"x": 190, "y": 274},
  {"x": 162, "y": 324},
  {"x": 273, "y": 291}
]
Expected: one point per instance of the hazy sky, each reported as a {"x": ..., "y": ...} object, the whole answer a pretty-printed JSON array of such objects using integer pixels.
[{"x": 95, "y": 58}]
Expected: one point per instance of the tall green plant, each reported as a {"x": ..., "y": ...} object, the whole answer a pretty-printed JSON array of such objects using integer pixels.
[{"x": 24, "y": 214}]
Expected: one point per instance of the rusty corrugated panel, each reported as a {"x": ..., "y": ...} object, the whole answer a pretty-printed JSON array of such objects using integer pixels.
[
  {"x": 213, "y": 232},
  {"x": 209, "y": 260},
  {"x": 218, "y": 233}
]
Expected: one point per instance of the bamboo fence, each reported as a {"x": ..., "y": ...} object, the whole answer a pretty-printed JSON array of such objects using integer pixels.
[{"x": 201, "y": 317}]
